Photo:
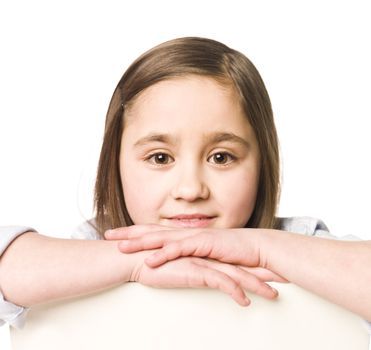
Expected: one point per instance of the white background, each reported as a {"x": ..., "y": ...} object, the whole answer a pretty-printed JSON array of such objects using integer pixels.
[{"x": 60, "y": 62}]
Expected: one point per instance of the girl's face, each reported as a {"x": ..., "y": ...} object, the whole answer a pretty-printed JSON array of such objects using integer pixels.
[{"x": 189, "y": 157}]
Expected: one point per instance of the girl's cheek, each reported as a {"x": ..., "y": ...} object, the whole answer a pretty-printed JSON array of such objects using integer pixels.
[
  {"x": 144, "y": 195},
  {"x": 241, "y": 197}
]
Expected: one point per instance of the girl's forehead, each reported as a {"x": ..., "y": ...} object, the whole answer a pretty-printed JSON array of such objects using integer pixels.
[
  {"x": 189, "y": 108},
  {"x": 191, "y": 93}
]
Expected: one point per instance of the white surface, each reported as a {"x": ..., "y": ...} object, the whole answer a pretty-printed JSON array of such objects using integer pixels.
[
  {"x": 61, "y": 61},
  {"x": 136, "y": 317},
  {"x": 4, "y": 337}
]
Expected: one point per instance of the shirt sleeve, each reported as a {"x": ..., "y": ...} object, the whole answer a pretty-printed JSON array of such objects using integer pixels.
[
  {"x": 13, "y": 314},
  {"x": 310, "y": 226}
]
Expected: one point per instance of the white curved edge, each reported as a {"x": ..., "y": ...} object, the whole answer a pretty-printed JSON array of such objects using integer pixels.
[{"x": 133, "y": 316}]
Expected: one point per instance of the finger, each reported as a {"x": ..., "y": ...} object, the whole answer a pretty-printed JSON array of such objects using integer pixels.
[
  {"x": 264, "y": 275},
  {"x": 136, "y": 245},
  {"x": 218, "y": 280},
  {"x": 175, "y": 250},
  {"x": 246, "y": 280},
  {"x": 132, "y": 231},
  {"x": 152, "y": 240}
]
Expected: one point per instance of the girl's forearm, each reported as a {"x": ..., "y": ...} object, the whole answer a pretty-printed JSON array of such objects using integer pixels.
[
  {"x": 336, "y": 270},
  {"x": 36, "y": 269}
]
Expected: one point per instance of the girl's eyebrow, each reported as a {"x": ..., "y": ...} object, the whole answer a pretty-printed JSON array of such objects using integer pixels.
[
  {"x": 227, "y": 136},
  {"x": 164, "y": 138},
  {"x": 212, "y": 138}
]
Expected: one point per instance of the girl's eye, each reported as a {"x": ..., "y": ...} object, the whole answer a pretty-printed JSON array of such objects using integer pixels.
[
  {"x": 160, "y": 159},
  {"x": 221, "y": 158}
]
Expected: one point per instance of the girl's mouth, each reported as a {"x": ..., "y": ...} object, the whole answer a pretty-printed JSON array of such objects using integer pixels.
[{"x": 191, "y": 221}]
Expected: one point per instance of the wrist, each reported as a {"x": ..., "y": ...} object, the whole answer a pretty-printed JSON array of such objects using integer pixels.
[
  {"x": 136, "y": 264},
  {"x": 264, "y": 240},
  {"x": 280, "y": 250}
]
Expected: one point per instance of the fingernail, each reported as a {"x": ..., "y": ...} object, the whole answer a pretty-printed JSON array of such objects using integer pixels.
[{"x": 275, "y": 291}]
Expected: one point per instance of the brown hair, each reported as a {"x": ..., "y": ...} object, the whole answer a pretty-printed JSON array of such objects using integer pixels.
[{"x": 176, "y": 58}]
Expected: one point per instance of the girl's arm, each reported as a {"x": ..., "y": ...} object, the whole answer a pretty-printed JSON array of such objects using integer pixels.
[
  {"x": 36, "y": 269},
  {"x": 339, "y": 271}
]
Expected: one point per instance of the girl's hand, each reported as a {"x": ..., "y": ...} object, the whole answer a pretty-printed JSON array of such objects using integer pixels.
[
  {"x": 193, "y": 272},
  {"x": 236, "y": 246}
]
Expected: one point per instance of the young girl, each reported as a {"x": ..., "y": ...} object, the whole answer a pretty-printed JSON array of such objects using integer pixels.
[{"x": 188, "y": 179}]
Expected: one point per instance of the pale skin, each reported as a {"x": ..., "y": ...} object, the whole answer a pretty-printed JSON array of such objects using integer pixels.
[{"x": 182, "y": 165}]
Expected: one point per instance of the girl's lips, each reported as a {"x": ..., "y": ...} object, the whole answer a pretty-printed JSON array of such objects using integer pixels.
[{"x": 191, "y": 221}]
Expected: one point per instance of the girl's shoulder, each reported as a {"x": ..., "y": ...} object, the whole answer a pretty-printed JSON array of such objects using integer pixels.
[
  {"x": 303, "y": 224},
  {"x": 87, "y": 230}
]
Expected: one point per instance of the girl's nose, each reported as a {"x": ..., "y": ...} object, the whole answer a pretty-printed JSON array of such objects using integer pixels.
[{"x": 190, "y": 186}]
